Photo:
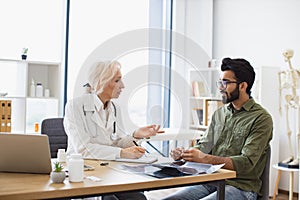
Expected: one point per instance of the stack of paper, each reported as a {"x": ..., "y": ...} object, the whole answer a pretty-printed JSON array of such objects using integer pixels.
[
  {"x": 190, "y": 168},
  {"x": 172, "y": 169}
]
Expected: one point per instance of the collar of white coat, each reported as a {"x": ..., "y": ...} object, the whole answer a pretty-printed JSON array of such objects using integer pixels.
[{"x": 93, "y": 103}]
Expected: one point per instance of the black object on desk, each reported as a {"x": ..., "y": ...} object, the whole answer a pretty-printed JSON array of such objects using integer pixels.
[
  {"x": 167, "y": 172},
  {"x": 104, "y": 163}
]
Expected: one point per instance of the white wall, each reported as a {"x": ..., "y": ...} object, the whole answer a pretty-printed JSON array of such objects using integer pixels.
[
  {"x": 38, "y": 25},
  {"x": 259, "y": 31}
]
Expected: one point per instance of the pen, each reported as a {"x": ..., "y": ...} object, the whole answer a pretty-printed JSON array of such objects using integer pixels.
[{"x": 136, "y": 144}]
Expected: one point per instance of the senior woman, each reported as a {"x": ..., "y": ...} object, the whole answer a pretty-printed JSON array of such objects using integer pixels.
[{"x": 93, "y": 122}]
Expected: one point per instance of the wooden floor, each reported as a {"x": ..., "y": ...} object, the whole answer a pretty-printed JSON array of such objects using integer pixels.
[
  {"x": 158, "y": 194},
  {"x": 284, "y": 197}
]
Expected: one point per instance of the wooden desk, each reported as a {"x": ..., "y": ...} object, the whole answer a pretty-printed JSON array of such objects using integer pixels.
[{"x": 37, "y": 186}]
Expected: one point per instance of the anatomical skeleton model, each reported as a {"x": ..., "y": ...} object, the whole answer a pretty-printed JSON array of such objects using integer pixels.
[{"x": 289, "y": 83}]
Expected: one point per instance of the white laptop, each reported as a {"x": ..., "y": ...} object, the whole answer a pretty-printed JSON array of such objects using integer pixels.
[{"x": 24, "y": 153}]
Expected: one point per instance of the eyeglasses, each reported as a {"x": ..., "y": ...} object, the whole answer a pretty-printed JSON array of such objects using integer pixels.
[{"x": 223, "y": 83}]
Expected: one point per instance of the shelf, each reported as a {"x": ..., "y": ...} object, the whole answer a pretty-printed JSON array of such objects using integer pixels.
[
  {"x": 204, "y": 96},
  {"x": 198, "y": 127},
  {"x": 16, "y": 81},
  {"x": 205, "y": 70},
  {"x": 42, "y": 98},
  {"x": 9, "y": 97},
  {"x": 30, "y": 61}
]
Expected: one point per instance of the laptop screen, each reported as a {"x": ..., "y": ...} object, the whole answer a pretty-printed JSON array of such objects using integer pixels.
[{"x": 24, "y": 153}]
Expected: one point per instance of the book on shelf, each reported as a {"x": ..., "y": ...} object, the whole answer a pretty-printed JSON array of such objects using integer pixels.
[
  {"x": 198, "y": 89},
  {"x": 197, "y": 116},
  {"x": 212, "y": 106}
]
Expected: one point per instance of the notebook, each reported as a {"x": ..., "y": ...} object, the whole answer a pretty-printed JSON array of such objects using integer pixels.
[
  {"x": 144, "y": 159},
  {"x": 24, "y": 153}
]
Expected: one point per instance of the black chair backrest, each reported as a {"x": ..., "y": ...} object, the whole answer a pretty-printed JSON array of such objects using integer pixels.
[
  {"x": 54, "y": 128},
  {"x": 265, "y": 178}
]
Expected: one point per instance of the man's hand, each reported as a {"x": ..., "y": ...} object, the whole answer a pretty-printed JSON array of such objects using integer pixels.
[
  {"x": 193, "y": 155},
  {"x": 176, "y": 154}
]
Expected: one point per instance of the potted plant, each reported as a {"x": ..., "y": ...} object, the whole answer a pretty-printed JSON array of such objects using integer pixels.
[
  {"x": 58, "y": 175},
  {"x": 24, "y": 53}
]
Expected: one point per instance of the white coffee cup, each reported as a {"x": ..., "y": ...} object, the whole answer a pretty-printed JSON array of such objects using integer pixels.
[{"x": 61, "y": 155}]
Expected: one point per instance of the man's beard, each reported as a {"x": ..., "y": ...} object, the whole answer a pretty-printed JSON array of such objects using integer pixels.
[{"x": 234, "y": 95}]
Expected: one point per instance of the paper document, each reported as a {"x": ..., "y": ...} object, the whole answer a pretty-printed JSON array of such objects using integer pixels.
[
  {"x": 190, "y": 167},
  {"x": 173, "y": 169},
  {"x": 143, "y": 159}
]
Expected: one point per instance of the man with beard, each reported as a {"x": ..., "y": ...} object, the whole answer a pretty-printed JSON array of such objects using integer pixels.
[{"x": 238, "y": 136}]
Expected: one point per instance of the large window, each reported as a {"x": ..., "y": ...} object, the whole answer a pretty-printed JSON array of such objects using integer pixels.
[{"x": 100, "y": 30}]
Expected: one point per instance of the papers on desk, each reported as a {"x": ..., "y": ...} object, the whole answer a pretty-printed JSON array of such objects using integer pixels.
[
  {"x": 143, "y": 159},
  {"x": 173, "y": 169},
  {"x": 190, "y": 168}
]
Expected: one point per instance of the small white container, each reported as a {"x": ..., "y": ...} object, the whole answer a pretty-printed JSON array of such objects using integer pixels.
[
  {"x": 32, "y": 89},
  {"x": 75, "y": 166},
  {"x": 39, "y": 90},
  {"x": 47, "y": 93},
  {"x": 61, "y": 155}
]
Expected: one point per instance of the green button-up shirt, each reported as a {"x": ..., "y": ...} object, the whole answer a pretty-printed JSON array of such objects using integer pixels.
[{"x": 244, "y": 136}]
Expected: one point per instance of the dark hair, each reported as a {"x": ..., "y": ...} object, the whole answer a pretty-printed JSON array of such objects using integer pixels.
[{"x": 242, "y": 69}]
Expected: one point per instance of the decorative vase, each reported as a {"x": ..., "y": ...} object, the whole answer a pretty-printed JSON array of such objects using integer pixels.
[
  {"x": 24, "y": 57},
  {"x": 57, "y": 177}
]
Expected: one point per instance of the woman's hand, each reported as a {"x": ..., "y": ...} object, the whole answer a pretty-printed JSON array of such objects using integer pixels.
[
  {"x": 147, "y": 131},
  {"x": 176, "y": 154},
  {"x": 133, "y": 152}
]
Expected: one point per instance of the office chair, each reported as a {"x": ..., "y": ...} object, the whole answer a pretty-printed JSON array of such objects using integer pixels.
[
  {"x": 265, "y": 178},
  {"x": 54, "y": 128}
]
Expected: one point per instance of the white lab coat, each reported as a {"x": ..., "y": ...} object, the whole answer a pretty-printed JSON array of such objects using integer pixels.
[{"x": 90, "y": 135}]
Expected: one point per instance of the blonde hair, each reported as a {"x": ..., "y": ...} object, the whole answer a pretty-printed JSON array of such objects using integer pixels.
[{"x": 100, "y": 74}]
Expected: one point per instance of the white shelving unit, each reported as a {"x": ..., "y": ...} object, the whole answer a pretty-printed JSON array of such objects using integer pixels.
[
  {"x": 203, "y": 103},
  {"x": 15, "y": 79},
  {"x": 206, "y": 106}
]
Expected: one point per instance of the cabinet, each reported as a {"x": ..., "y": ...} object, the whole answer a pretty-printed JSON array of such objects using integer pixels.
[
  {"x": 15, "y": 80},
  {"x": 204, "y": 96}
]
